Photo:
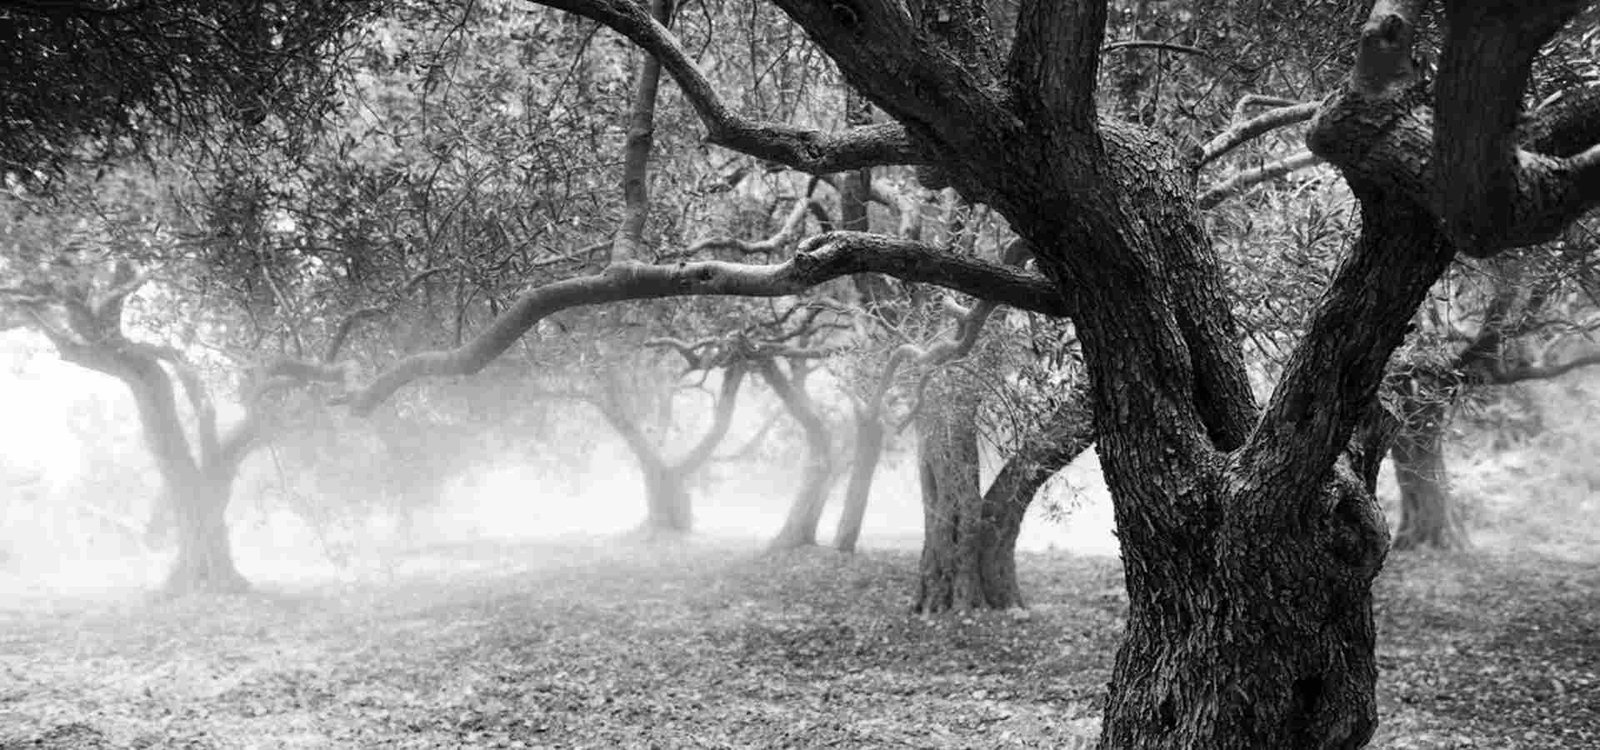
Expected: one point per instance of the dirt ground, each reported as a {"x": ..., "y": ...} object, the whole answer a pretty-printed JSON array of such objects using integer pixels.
[{"x": 706, "y": 645}]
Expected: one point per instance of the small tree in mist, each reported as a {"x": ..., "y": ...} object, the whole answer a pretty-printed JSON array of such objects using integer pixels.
[{"x": 75, "y": 292}]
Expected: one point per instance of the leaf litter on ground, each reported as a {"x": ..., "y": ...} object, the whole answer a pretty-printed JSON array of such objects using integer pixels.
[{"x": 702, "y": 645}]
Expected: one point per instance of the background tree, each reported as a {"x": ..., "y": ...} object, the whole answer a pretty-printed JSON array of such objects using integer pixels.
[{"x": 75, "y": 285}]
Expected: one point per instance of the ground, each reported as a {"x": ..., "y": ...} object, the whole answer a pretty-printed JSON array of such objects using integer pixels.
[{"x": 707, "y": 644}]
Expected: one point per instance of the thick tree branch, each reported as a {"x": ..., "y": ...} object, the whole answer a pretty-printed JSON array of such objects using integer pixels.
[
  {"x": 821, "y": 258},
  {"x": 1466, "y": 164},
  {"x": 794, "y": 398},
  {"x": 1332, "y": 378},
  {"x": 125, "y": 281},
  {"x": 1058, "y": 442},
  {"x": 807, "y": 150},
  {"x": 1485, "y": 185},
  {"x": 205, "y": 414},
  {"x": 636, "y": 153},
  {"x": 1566, "y": 124}
]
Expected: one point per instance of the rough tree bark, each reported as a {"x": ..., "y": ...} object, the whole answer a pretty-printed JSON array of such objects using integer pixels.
[{"x": 947, "y": 470}]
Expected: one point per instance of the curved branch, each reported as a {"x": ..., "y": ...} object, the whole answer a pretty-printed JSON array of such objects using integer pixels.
[
  {"x": 820, "y": 259},
  {"x": 785, "y": 238},
  {"x": 1241, "y": 133},
  {"x": 347, "y": 326},
  {"x": 205, "y": 414},
  {"x": 949, "y": 350},
  {"x": 1249, "y": 178},
  {"x": 690, "y": 352},
  {"x": 1565, "y": 124},
  {"x": 804, "y": 149},
  {"x": 1332, "y": 378},
  {"x": 124, "y": 282},
  {"x": 697, "y": 456}
]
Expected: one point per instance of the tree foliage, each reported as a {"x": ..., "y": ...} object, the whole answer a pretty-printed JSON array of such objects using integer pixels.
[{"x": 91, "y": 80}]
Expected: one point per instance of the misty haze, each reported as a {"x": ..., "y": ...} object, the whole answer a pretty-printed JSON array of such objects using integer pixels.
[{"x": 937, "y": 374}]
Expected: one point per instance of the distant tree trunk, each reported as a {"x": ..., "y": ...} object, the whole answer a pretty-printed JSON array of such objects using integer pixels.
[
  {"x": 158, "y": 531},
  {"x": 800, "y": 528},
  {"x": 667, "y": 503},
  {"x": 1067, "y": 434},
  {"x": 868, "y": 450},
  {"x": 205, "y": 556},
  {"x": 1429, "y": 516},
  {"x": 669, "y": 508},
  {"x": 969, "y": 543}
]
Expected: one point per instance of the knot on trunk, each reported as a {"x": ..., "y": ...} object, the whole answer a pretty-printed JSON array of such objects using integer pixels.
[{"x": 1360, "y": 533}]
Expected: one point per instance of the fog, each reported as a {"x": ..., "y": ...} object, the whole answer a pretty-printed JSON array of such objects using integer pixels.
[{"x": 78, "y": 485}]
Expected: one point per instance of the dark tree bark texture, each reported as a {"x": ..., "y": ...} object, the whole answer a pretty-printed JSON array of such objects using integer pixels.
[{"x": 951, "y": 575}]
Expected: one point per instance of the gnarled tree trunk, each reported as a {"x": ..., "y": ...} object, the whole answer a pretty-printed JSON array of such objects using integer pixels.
[
  {"x": 952, "y": 576},
  {"x": 197, "y": 475},
  {"x": 1253, "y": 641},
  {"x": 205, "y": 556}
]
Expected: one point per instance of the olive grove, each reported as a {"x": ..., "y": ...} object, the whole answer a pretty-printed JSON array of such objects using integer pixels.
[
  {"x": 1250, "y": 534},
  {"x": 1249, "y": 529}
]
